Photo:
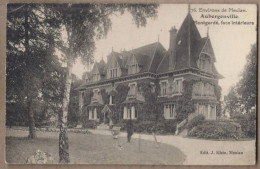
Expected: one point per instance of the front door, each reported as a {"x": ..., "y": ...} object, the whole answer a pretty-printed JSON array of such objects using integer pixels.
[{"x": 106, "y": 118}]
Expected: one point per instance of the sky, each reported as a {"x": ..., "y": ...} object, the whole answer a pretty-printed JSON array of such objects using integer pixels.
[{"x": 231, "y": 43}]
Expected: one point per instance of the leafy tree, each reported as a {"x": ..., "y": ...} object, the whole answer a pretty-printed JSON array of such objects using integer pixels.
[
  {"x": 83, "y": 23},
  {"x": 30, "y": 56},
  {"x": 73, "y": 112},
  {"x": 242, "y": 97},
  {"x": 247, "y": 85}
]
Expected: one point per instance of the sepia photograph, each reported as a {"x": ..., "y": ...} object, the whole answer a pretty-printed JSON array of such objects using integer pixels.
[{"x": 131, "y": 84}]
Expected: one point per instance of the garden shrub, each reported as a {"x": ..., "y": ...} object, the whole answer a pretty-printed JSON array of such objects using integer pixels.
[
  {"x": 121, "y": 124},
  {"x": 90, "y": 124},
  {"x": 216, "y": 130},
  {"x": 248, "y": 124},
  {"x": 72, "y": 124},
  {"x": 160, "y": 127},
  {"x": 197, "y": 120}
]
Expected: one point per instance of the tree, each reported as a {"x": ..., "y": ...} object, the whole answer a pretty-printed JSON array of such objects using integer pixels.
[
  {"x": 242, "y": 97},
  {"x": 247, "y": 85},
  {"x": 83, "y": 23},
  {"x": 30, "y": 56},
  {"x": 73, "y": 110}
]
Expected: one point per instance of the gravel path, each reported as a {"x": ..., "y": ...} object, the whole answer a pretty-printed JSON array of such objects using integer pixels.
[{"x": 218, "y": 151}]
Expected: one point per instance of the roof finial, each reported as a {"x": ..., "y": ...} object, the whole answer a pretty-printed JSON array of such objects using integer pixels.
[
  {"x": 207, "y": 31},
  {"x": 188, "y": 8},
  {"x": 158, "y": 37}
]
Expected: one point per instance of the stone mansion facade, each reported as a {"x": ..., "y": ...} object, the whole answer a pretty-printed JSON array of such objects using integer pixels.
[{"x": 189, "y": 57}]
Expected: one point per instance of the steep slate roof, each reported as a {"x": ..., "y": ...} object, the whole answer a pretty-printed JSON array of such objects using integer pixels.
[
  {"x": 154, "y": 58},
  {"x": 188, "y": 49},
  {"x": 148, "y": 56},
  {"x": 102, "y": 67}
]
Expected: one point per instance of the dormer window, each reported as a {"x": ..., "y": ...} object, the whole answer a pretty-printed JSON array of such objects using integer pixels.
[
  {"x": 133, "y": 69},
  {"x": 96, "y": 77},
  {"x": 205, "y": 63},
  {"x": 113, "y": 69},
  {"x": 113, "y": 72},
  {"x": 133, "y": 66}
]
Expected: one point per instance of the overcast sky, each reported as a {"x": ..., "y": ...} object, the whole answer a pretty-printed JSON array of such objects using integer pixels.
[{"x": 231, "y": 43}]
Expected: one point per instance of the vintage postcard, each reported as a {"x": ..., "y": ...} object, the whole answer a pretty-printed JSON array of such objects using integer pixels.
[{"x": 118, "y": 83}]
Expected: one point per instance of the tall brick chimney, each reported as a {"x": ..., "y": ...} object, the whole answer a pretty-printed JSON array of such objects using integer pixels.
[{"x": 172, "y": 47}]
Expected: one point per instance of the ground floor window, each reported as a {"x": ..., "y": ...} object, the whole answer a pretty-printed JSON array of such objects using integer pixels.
[
  {"x": 130, "y": 112},
  {"x": 92, "y": 114},
  {"x": 169, "y": 111},
  {"x": 208, "y": 110}
]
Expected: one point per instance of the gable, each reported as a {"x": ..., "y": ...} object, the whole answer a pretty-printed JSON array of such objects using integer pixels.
[
  {"x": 113, "y": 63},
  {"x": 207, "y": 49},
  {"x": 131, "y": 60},
  {"x": 95, "y": 69}
]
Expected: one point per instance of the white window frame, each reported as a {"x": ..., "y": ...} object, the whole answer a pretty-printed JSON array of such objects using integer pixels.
[
  {"x": 181, "y": 79},
  {"x": 94, "y": 90},
  {"x": 135, "y": 88},
  {"x": 170, "y": 109},
  {"x": 162, "y": 89}
]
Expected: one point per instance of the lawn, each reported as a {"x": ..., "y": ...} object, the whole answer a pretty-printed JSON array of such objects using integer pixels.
[{"x": 92, "y": 149}]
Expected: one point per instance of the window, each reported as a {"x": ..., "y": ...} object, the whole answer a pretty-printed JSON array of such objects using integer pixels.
[
  {"x": 132, "y": 90},
  {"x": 130, "y": 113},
  {"x": 90, "y": 114},
  {"x": 205, "y": 63},
  {"x": 179, "y": 85},
  {"x": 133, "y": 69},
  {"x": 163, "y": 88},
  {"x": 96, "y": 77},
  {"x": 95, "y": 95},
  {"x": 112, "y": 100},
  {"x": 93, "y": 117},
  {"x": 128, "y": 116},
  {"x": 169, "y": 111},
  {"x": 113, "y": 73}
]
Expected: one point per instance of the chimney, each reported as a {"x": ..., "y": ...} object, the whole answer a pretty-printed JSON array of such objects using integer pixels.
[{"x": 172, "y": 47}]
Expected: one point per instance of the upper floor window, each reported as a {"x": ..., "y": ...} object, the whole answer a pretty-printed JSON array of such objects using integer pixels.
[
  {"x": 133, "y": 69},
  {"x": 113, "y": 72},
  {"x": 163, "y": 88},
  {"x": 112, "y": 100},
  {"x": 178, "y": 86},
  {"x": 95, "y": 95},
  {"x": 132, "y": 90},
  {"x": 205, "y": 63}
]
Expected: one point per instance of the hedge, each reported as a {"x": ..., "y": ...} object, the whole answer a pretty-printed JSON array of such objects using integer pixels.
[
  {"x": 198, "y": 120},
  {"x": 90, "y": 124},
  {"x": 161, "y": 127},
  {"x": 216, "y": 130},
  {"x": 248, "y": 123}
]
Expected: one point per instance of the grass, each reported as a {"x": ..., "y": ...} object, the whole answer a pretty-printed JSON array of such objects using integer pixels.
[{"x": 92, "y": 149}]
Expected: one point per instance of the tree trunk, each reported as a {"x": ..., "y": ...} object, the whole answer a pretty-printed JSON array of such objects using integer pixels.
[
  {"x": 31, "y": 122},
  {"x": 63, "y": 138}
]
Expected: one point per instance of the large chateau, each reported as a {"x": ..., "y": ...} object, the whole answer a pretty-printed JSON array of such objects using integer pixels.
[{"x": 189, "y": 58}]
